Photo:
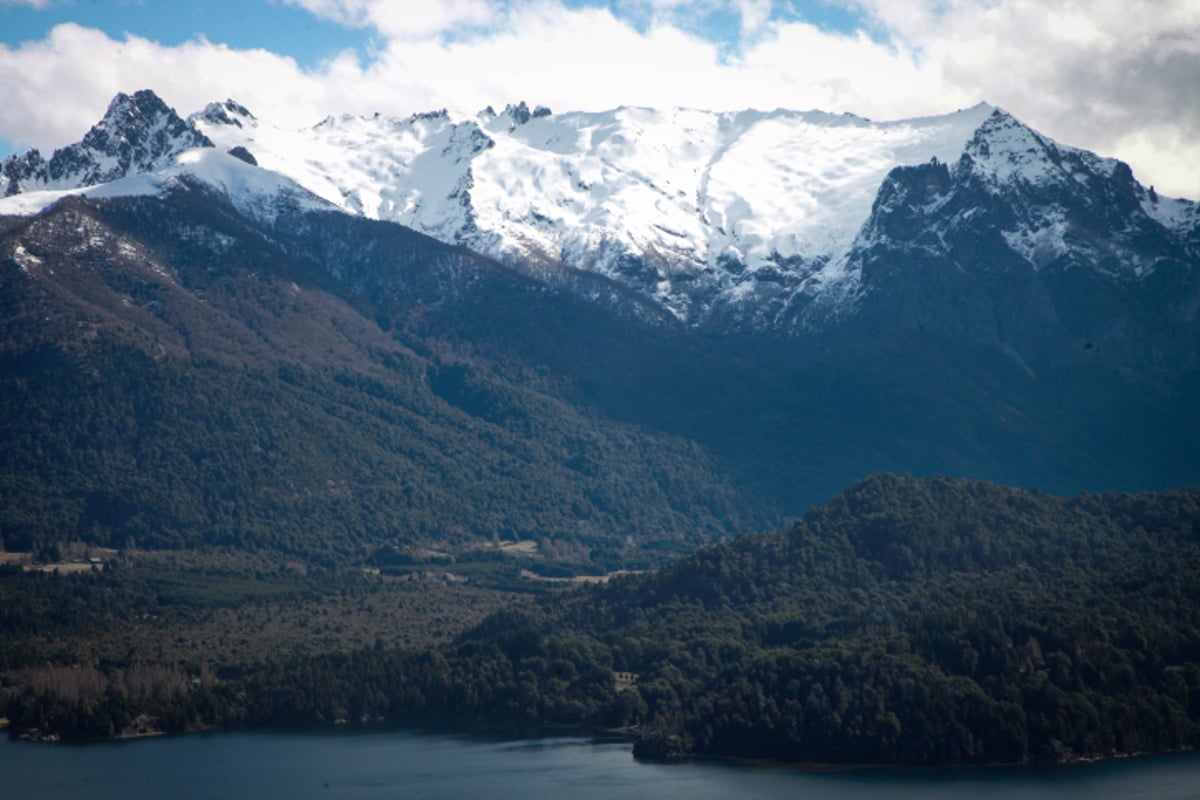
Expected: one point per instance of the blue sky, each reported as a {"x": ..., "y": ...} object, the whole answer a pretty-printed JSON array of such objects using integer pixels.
[
  {"x": 1118, "y": 77},
  {"x": 286, "y": 28},
  {"x": 294, "y": 31},
  {"x": 242, "y": 24}
]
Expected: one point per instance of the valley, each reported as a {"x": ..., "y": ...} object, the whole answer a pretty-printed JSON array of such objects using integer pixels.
[{"x": 336, "y": 470}]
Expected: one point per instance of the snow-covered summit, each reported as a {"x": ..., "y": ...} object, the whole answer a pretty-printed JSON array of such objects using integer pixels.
[
  {"x": 1063, "y": 205},
  {"x": 1007, "y": 151},
  {"x": 139, "y": 133},
  {"x": 228, "y": 113},
  {"x": 1019, "y": 223},
  {"x": 735, "y": 214},
  {"x": 689, "y": 206}
]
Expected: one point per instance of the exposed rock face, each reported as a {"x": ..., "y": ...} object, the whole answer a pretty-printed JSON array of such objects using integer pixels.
[
  {"x": 138, "y": 133},
  {"x": 1050, "y": 252}
]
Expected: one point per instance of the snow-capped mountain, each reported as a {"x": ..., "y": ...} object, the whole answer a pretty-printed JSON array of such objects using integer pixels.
[
  {"x": 142, "y": 147},
  {"x": 751, "y": 219},
  {"x": 803, "y": 298},
  {"x": 696, "y": 209},
  {"x": 1038, "y": 249},
  {"x": 754, "y": 217},
  {"x": 138, "y": 133}
]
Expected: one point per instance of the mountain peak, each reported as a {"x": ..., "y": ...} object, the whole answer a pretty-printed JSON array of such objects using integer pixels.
[
  {"x": 1043, "y": 225},
  {"x": 1005, "y": 151},
  {"x": 138, "y": 133},
  {"x": 1008, "y": 148},
  {"x": 126, "y": 109},
  {"x": 230, "y": 112},
  {"x": 520, "y": 113}
]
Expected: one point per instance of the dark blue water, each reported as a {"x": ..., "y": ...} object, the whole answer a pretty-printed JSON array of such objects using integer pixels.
[{"x": 274, "y": 766}]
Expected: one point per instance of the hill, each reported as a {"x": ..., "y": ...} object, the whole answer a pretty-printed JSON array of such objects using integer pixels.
[{"x": 908, "y": 621}]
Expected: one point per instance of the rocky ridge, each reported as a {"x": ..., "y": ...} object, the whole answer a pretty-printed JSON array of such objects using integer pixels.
[{"x": 139, "y": 133}]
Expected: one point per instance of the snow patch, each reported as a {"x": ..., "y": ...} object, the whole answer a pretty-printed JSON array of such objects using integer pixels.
[
  {"x": 25, "y": 259},
  {"x": 1039, "y": 246},
  {"x": 1176, "y": 215},
  {"x": 256, "y": 192}
]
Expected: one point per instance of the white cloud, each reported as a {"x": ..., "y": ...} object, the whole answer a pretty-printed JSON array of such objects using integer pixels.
[
  {"x": 407, "y": 20},
  {"x": 754, "y": 13},
  {"x": 1121, "y": 77},
  {"x": 52, "y": 90},
  {"x": 565, "y": 59},
  {"x": 34, "y": 3},
  {"x": 1116, "y": 77}
]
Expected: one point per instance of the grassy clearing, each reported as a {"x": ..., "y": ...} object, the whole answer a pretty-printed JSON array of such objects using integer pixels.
[
  {"x": 236, "y": 613},
  {"x": 64, "y": 567},
  {"x": 576, "y": 580},
  {"x": 79, "y": 558}
]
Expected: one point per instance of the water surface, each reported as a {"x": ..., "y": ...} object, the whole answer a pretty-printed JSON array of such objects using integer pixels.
[{"x": 275, "y": 765}]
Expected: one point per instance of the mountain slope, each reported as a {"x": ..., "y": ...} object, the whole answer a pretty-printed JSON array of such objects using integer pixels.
[
  {"x": 1022, "y": 312},
  {"x": 1034, "y": 247},
  {"x": 692, "y": 208},
  {"x": 176, "y": 374}
]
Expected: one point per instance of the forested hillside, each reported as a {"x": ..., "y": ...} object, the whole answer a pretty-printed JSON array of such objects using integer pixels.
[
  {"x": 163, "y": 388},
  {"x": 908, "y": 621},
  {"x": 922, "y": 621},
  {"x": 177, "y": 371}
]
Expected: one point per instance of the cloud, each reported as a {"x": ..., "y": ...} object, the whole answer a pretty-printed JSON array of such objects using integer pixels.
[
  {"x": 34, "y": 3},
  {"x": 755, "y": 14},
  {"x": 544, "y": 53},
  {"x": 1116, "y": 77},
  {"x": 53, "y": 90},
  {"x": 408, "y": 20}
]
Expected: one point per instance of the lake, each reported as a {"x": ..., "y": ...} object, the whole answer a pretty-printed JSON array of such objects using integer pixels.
[{"x": 405, "y": 764}]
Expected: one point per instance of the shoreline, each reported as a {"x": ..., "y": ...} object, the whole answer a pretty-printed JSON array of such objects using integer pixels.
[
  {"x": 501, "y": 731},
  {"x": 822, "y": 767}
]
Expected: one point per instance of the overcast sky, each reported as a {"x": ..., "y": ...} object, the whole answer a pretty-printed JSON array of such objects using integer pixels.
[{"x": 1120, "y": 77}]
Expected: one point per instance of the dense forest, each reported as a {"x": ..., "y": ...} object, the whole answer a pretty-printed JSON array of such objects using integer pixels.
[
  {"x": 908, "y": 621},
  {"x": 120, "y": 450},
  {"x": 160, "y": 390}
]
